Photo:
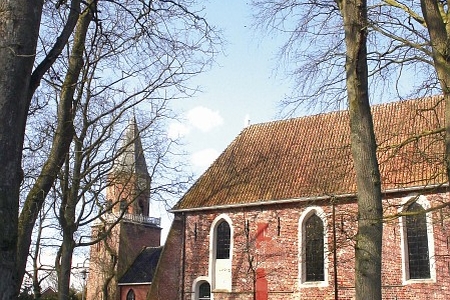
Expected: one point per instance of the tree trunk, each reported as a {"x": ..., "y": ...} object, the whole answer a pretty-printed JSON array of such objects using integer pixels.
[
  {"x": 363, "y": 145},
  {"x": 64, "y": 265},
  {"x": 19, "y": 30},
  {"x": 60, "y": 146},
  {"x": 440, "y": 43},
  {"x": 67, "y": 218},
  {"x": 36, "y": 262}
]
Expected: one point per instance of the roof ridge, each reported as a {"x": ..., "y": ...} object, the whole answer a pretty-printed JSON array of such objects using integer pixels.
[{"x": 321, "y": 114}]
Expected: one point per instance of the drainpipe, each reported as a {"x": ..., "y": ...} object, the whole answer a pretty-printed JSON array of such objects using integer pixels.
[{"x": 335, "y": 269}]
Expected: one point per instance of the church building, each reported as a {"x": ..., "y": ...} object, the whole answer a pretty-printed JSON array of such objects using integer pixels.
[
  {"x": 115, "y": 268},
  {"x": 274, "y": 217}
]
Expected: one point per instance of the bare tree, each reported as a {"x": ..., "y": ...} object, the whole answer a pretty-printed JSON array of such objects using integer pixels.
[
  {"x": 400, "y": 63},
  {"x": 416, "y": 37},
  {"x": 60, "y": 146},
  {"x": 41, "y": 270},
  {"x": 130, "y": 60},
  {"x": 369, "y": 237},
  {"x": 435, "y": 16},
  {"x": 164, "y": 34},
  {"x": 322, "y": 77},
  {"x": 80, "y": 197},
  {"x": 315, "y": 65},
  {"x": 19, "y": 25},
  {"x": 407, "y": 50}
]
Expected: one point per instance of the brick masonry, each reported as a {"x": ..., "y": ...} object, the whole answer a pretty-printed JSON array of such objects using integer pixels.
[
  {"x": 266, "y": 258},
  {"x": 110, "y": 259}
]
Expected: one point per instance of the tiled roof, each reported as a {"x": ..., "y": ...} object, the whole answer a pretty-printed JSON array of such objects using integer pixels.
[
  {"x": 311, "y": 157},
  {"x": 143, "y": 267}
]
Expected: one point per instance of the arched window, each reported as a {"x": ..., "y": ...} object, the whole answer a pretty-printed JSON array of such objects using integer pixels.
[
  {"x": 223, "y": 240},
  {"x": 141, "y": 207},
  {"x": 314, "y": 249},
  {"x": 221, "y": 253},
  {"x": 417, "y": 242},
  {"x": 417, "y": 237},
  {"x": 204, "y": 291},
  {"x": 130, "y": 295},
  {"x": 313, "y": 253}
]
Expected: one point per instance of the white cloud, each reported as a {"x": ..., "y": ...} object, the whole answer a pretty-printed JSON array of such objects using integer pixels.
[
  {"x": 177, "y": 130},
  {"x": 204, "y": 158},
  {"x": 204, "y": 118},
  {"x": 200, "y": 117}
]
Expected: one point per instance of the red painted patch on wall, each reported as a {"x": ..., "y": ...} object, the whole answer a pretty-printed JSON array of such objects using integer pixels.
[
  {"x": 261, "y": 285},
  {"x": 261, "y": 234}
]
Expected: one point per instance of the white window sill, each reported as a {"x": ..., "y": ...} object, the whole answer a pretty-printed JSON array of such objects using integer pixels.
[{"x": 313, "y": 284}]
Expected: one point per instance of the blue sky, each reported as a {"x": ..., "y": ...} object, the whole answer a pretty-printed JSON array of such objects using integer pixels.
[{"x": 241, "y": 86}]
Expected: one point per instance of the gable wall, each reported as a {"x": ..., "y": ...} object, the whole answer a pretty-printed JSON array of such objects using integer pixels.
[
  {"x": 273, "y": 248},
  {"x": 133, "y": 238},
  {"x": 166, "y": 282}
]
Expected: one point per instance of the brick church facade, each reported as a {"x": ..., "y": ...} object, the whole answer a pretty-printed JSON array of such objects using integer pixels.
[
  {"x": 133, "y": 236},
  {"x": 274, "y": 217}
]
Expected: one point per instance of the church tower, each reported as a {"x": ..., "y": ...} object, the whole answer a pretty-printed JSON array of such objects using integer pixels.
[{"x": 128, "y": 223}]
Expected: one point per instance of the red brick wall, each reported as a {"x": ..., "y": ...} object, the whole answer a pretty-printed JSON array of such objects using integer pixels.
[
  {"x": 126, "y": 239},
  {"x": 125, "y": 187},
  {"x": 132, "y": 239},
  {"x": 140, "y": 291},
  {"x": 167, "y": 279},
  {"x": 272, "y": 247},
  {"x": 102, "y": 266},
  {"x": 126, "y": 242}
]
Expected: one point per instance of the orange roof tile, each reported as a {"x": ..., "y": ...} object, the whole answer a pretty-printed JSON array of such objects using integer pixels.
[{"x": 311, "y": 157}]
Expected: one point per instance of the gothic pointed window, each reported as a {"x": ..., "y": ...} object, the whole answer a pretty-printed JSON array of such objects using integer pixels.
[
  {"x": 221, "y": 253},
  {"x": 313, "y": 245},
  {"x": 130, "y": 295},
  {"x": 223, "y": 240},
  {"x": 314, "y": 249},
  {"x": 417, "y": 242}
]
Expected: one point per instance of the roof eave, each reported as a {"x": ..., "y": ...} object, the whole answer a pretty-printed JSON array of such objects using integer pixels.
[
  {"x": 134, "y": 283},
  {"x": 306, "y": 199}
]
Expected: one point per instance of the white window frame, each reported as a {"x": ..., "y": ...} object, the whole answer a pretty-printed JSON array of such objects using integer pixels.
[
  {"x": 212, "y": 254},
  {"x": 423, "y": 201},
  {"x": 301, "y": 247},
  {"x": 196, "y": 286}
]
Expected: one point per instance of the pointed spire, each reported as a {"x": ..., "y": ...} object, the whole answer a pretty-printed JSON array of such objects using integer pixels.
[{"x": 131, "y": 159}]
